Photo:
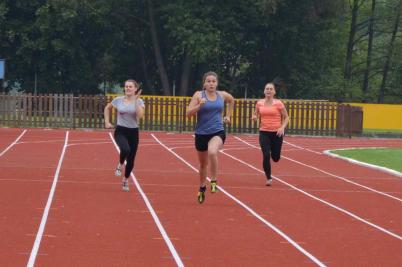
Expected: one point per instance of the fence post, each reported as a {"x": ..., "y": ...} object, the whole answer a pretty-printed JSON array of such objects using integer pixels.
[{"x": 350, "y": 120}]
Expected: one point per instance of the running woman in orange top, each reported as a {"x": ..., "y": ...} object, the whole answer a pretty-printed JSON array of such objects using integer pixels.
[{"x": 273, "y": 121}]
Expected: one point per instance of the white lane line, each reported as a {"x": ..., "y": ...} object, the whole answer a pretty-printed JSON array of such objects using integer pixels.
[
  {"x": 42, "y": 225},
  {"x": 353, "y": 161},
  {"x": 320, "y": 200},
  {"x": 331, "y": 174},
  {"x": 360, "y": 163},
  {"x": 154, "y": 216},
  {"x": 270, "y": 225},
  {"x": 97, "y": 143},
  {"x": 13, "y": 143},
  {"x": 302, "y": 148},
  {"x": 56, "y": 141}
]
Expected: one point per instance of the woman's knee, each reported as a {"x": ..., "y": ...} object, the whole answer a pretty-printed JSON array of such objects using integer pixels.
[
  {"x": 276, "y": 158},
  {"x": 125, "y": 150},
  {"x": 203, "y": 160},
  {"x": 212, "y": 153}
]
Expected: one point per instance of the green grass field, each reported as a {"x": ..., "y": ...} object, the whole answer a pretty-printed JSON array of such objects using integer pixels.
[{"x": 389, "y": 158}]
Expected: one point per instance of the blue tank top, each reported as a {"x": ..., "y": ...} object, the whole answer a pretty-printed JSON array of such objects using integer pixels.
[{"x": 209, "y": 117}]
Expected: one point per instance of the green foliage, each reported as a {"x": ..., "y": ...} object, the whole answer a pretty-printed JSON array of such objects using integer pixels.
[
  {"x": 75, "y": 46},
  {"x": 189, "y": 25}
]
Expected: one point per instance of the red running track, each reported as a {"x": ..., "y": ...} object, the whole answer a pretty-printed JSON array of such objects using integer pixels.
[{"x": 320, "y": 210}]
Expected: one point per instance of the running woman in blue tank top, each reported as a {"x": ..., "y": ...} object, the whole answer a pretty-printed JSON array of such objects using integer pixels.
[{"x": 208, "y": 105}]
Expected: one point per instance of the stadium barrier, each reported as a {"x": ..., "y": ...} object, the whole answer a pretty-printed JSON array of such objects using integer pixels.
[{"x": 169, "y": 114}]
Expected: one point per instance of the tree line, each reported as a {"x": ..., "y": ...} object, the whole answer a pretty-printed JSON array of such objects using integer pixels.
[{"x": 339, "y": 50}]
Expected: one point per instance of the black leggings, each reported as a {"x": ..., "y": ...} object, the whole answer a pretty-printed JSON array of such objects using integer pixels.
[
  {"x": 127, "y": 140},
  {"x": 271, "y": 146}
]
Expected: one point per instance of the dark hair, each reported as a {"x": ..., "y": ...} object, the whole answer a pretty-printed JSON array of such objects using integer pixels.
[
  {"x": 136, "y": 84},
  {"x": 272, "y": 84},
  {"x": 277, "y": 81},
  {"x": 209, "y": 73}
]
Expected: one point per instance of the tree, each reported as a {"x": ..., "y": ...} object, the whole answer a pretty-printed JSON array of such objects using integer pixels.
[
  {"x": 352, "y": 33},
  {"x": 390, "y": 50},
  {"x": 158, "y": 55},
  {"x": 369, "y": 47}
]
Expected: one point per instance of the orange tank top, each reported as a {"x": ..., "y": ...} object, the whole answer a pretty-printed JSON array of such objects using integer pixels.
[{"x": 271, "y": 118}]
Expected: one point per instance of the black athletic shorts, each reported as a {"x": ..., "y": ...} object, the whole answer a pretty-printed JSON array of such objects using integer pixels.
[{"x": 201, "y": 140}]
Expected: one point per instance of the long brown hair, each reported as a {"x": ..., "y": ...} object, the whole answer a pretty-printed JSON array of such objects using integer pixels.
[
  {"x": 136, "y": 84},
  {"x": 209, "y": 73}
]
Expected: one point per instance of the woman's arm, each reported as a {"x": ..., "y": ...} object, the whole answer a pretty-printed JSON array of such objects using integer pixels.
[
  {"x": 256, "y": 114},
  {"x": 140, "y": 109},
  {"x": 195, "y": 104},
  {"x": 139, "y": 105},
  {"x": 106, "y": 115},
  {"x": 228, "y": 98},
  {"x": 285, "y": 121}
]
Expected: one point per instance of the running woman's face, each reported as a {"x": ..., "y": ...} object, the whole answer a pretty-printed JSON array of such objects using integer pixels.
[
  {"x": 269, "y": 90},
  {"x": 130, "y": 88},
  {"x": 210, "y": 83}
]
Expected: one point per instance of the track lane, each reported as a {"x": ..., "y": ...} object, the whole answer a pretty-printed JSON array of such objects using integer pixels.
[
  {"x": 319, "y": 226},
  {"x": 25, "y": 180},
  {"x": 8, "y": 138},
  {"x": 172, "y": 190},
  {"x": 384, "y": 211},
  {"x": 91, "y": 212},
  {"x": 366, "y": 176},
  {"x": 318, "y": 144},
  {"x": 216, "y": 233}
]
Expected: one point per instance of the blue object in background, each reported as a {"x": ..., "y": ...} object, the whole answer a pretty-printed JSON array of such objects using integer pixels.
[{"x": 2, "y": 67}]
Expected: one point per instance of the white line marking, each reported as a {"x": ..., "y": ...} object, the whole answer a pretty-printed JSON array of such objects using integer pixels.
[
  {"x": 237, "y": 148},
  {"x": 56, "y": 141},
  {"x": 13, "y": 143},
  {"x": 368, "y": 165},
  {"x": 273, "y": 227},
  {"x": 97, "y": 143},
  {"x": 302, "y": 148},
  {"x": 320, "y": 200},
  {"x": 154, "y": 216},
  {"x": 42, "y": 225},
  {"x": 333, "y": 175},
  {"x": 182, "y": 147}
]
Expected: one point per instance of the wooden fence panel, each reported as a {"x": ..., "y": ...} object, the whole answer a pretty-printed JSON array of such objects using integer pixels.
[{"x": 169, "y": 114}]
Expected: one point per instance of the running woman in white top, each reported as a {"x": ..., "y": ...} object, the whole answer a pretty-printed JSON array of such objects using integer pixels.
[{"x": 130, "y": 109}]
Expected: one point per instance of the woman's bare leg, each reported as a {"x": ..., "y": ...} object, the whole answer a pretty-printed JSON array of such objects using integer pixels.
[{"x": 213, "y": 149}]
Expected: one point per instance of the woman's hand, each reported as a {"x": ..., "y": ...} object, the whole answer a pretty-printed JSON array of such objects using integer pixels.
[
  {"x": 195, "y": 104},
  {"x": 254, "y": 117},
  {"x": 226, "y": 119},
  {"x": 280, "y": 132},
  {"x": 108, "y": 125},
  {"x": 202, "y": 102},
  {"x": 137, "y": 94}
]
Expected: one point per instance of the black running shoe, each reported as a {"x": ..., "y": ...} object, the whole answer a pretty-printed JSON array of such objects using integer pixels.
[{"x": 201, "y": 194}]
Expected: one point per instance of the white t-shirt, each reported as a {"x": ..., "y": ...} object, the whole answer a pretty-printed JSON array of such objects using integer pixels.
[{"x": 126, "y": 113}]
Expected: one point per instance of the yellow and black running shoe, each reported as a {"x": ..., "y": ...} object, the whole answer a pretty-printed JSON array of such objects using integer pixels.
[
  {"x": 201, "y": 194},
  {"x": 214, "y": 186}
]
